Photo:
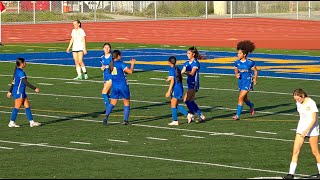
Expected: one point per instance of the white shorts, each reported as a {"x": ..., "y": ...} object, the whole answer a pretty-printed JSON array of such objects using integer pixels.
[{"x": 314, "y": 131}]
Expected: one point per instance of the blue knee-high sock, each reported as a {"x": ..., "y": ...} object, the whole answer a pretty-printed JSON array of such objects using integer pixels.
[
  {"x": 126, "y": 111},
  {"x": 190, "y": 106},
  {"x": 196, "y": 108},
  {"x": 239, "y": 109},
  {"x": 28, "y": 113},
  {"x": 14, "y": 114},
  {"x": 105, "y": 99},
  {"x": 250, "y": 104},
  {"x": 174, "y": 114},
  {"x": 182, "y": 110},
  {"x": 109, "y": 109}
]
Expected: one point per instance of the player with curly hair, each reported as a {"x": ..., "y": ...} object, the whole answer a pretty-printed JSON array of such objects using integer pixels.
[{"x": 243, "y": 68}]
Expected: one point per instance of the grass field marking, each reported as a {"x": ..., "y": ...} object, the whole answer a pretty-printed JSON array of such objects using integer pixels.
[
  {"x": 158, "y": 79},
  {"x": 224, "y": 134},
  {"x": 264, "y": 132},
  {"x": 197, "y": 137},
  {"x": 45, "y": 84},
  {"x": 152, "y": 157},
  {"x": 160, "y": 139},
  {"x": 2, "y": 147},
  {"x": 24, "y": 145},
  {"x": 116, "y": 140},
  {"x": 73, "y": 82},
  {"x": 77, "y": 142}
]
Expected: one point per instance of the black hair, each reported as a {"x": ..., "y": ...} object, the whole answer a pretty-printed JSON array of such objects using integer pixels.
[
  {"x": 299, "y": 92},
  {"x": 19, "y": 61},
  {"x": 173, "y": 61},
  {"x": 115, "y": 55},
  {"x": 78, "y": 21},
  {"x": 197, "y": 55},
  {"x": 246, "y": 47},
  {"x": 108, "y": 45}
]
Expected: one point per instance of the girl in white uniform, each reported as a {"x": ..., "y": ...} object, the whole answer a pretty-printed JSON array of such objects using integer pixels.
[
  {"x": 307, "y": 127},
  {"x": 79, "y": 49}
]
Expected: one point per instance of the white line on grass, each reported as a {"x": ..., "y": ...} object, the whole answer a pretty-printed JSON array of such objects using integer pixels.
[
  {"x": 264, "y": 132},
  {"x": 76, "y": 142},
  {"x": 73, "y": 82},
  {"x": 116, "y": 140},
  {"x": 154, "y": 158},
  {"x": 46, "y": 84},
  {"x": 160, "y": 139},
  {"x": 1, "y": 147},
  {"x": 197, "y": 137},
  {"x": 30, "y": 145},
  {"x": 158, "y": 79}
]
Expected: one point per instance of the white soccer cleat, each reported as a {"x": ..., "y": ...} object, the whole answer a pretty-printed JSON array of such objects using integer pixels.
[
  {"x": 13, "y": 125},
  {"x": 86, "y": 76},
  {"x": 202, "y": 117},
  {"x": 190, "y": 118},
  {"x": 174, "y": 123},
  {"x": 35, "y": 124}
]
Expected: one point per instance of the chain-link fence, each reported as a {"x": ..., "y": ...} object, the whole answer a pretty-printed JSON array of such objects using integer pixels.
[{"x": 66, "y": 11}]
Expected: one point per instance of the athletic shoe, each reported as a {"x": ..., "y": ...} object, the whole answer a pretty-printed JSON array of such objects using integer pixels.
[
  {"x": 13, "y": 125},
  {"x": 235, "y": 117},
  {"x": 202, "y": 118},
  {"x": 252, "y": 111},
  {"x": 35, "y": 124},
  {"x": 78, "y": 77},
  {"x": 86, "y": 76},
  {"x": 288, "y": 176},
  {"x": 125, "y": 123},
  {"x": 174, "y": 123},
  {"x": 105, "y": 121},
  {"x": 190, "y": 118}
]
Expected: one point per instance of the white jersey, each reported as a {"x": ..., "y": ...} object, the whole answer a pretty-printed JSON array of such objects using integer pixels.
[
  {"x": 306, "y": 109},
  {"x": 77, "y": 35}
]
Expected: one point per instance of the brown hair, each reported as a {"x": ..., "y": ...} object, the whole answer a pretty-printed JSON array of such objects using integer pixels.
[{"x": 299, "y": 92}]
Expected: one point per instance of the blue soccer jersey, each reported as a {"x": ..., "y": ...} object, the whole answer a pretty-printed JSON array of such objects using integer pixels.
[
  {"x": 120, "y": 87},
  {"x": 105, "y": 61},
  {"x": 177, "y": 86},
  {"x": 244, "y": 68},
  {"x": 193, "y": 82},
  {"x": 19, "y": 87}
]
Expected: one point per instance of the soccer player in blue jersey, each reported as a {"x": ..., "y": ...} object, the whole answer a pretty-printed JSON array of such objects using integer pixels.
[
  {"x": 175, "y": 90},
  {"x": 120, "y": 87},
  {"x": 18, "y": 91},
  {"x": 191, "y": 68},
  {"x": 106, "y": 60},
  {"x": 243, "y": 68}
]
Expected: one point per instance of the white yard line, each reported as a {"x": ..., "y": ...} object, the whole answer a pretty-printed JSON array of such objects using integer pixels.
[
  {"x": 197, "y": 137},
  {"x": 1, "y": 147},
  {"x": 46, "y": 84},
  {"x": 153, "y": 158},
  {"x": 160, "y": 139},
  {"x": 116, "y": 140}
]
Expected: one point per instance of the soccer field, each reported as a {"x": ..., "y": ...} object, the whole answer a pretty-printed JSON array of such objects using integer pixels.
[{"x": 73, "y": 143}]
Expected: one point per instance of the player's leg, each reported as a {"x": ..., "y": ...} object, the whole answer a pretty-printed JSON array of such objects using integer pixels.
[
  {"x": 242, "y": 94},
  {"x": 76, "y": 62},
  {"x": 174, "y": 113},
  {"x": 82, "y": 65},
  {"x": 29, "y": 114},
  {"x": 313, "y": 141},
  {"x": 17, "y": 104}
]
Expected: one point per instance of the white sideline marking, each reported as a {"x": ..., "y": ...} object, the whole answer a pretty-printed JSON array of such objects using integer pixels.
[
  {"x": 197, "y": 137},
  {"x": 115, "y": 140},
  {"x": 264, "y": 132},
  {"x": 30, "y": 145},
  {"x": 267, "y": 178},
  {"x": 46, "y": 84},
  {"x": 160, "y": 139},
  {"x": 155, "y": 158},
  {"x": 133, "y": 80},
  {"x": 75, "y": 142},
  {"x": 158, "y": 79},
  {"x": 1, "y": 147},
  {"x": 52, "y": 49},
  {"x": 73, "y": 82},
  {"x": 226, "y": 134}
]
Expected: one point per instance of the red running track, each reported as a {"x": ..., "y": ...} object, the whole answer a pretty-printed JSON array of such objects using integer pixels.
[{"x": 266, "y": 33}]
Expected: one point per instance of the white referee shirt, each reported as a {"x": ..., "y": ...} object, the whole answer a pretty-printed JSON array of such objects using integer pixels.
[
  {"x": 306, "y": 109},
  {"x": 77, "y": 35}
]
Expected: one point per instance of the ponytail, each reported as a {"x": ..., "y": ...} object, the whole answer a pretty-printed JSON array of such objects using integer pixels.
[
  {"x": 115, "y": 54},
  {"x": 173, "y": 61}
]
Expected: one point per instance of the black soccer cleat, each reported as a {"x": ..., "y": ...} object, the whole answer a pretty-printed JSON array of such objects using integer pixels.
[
  {"x": 288, "y": 176},
  {"x": 125, "y": 123}
]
